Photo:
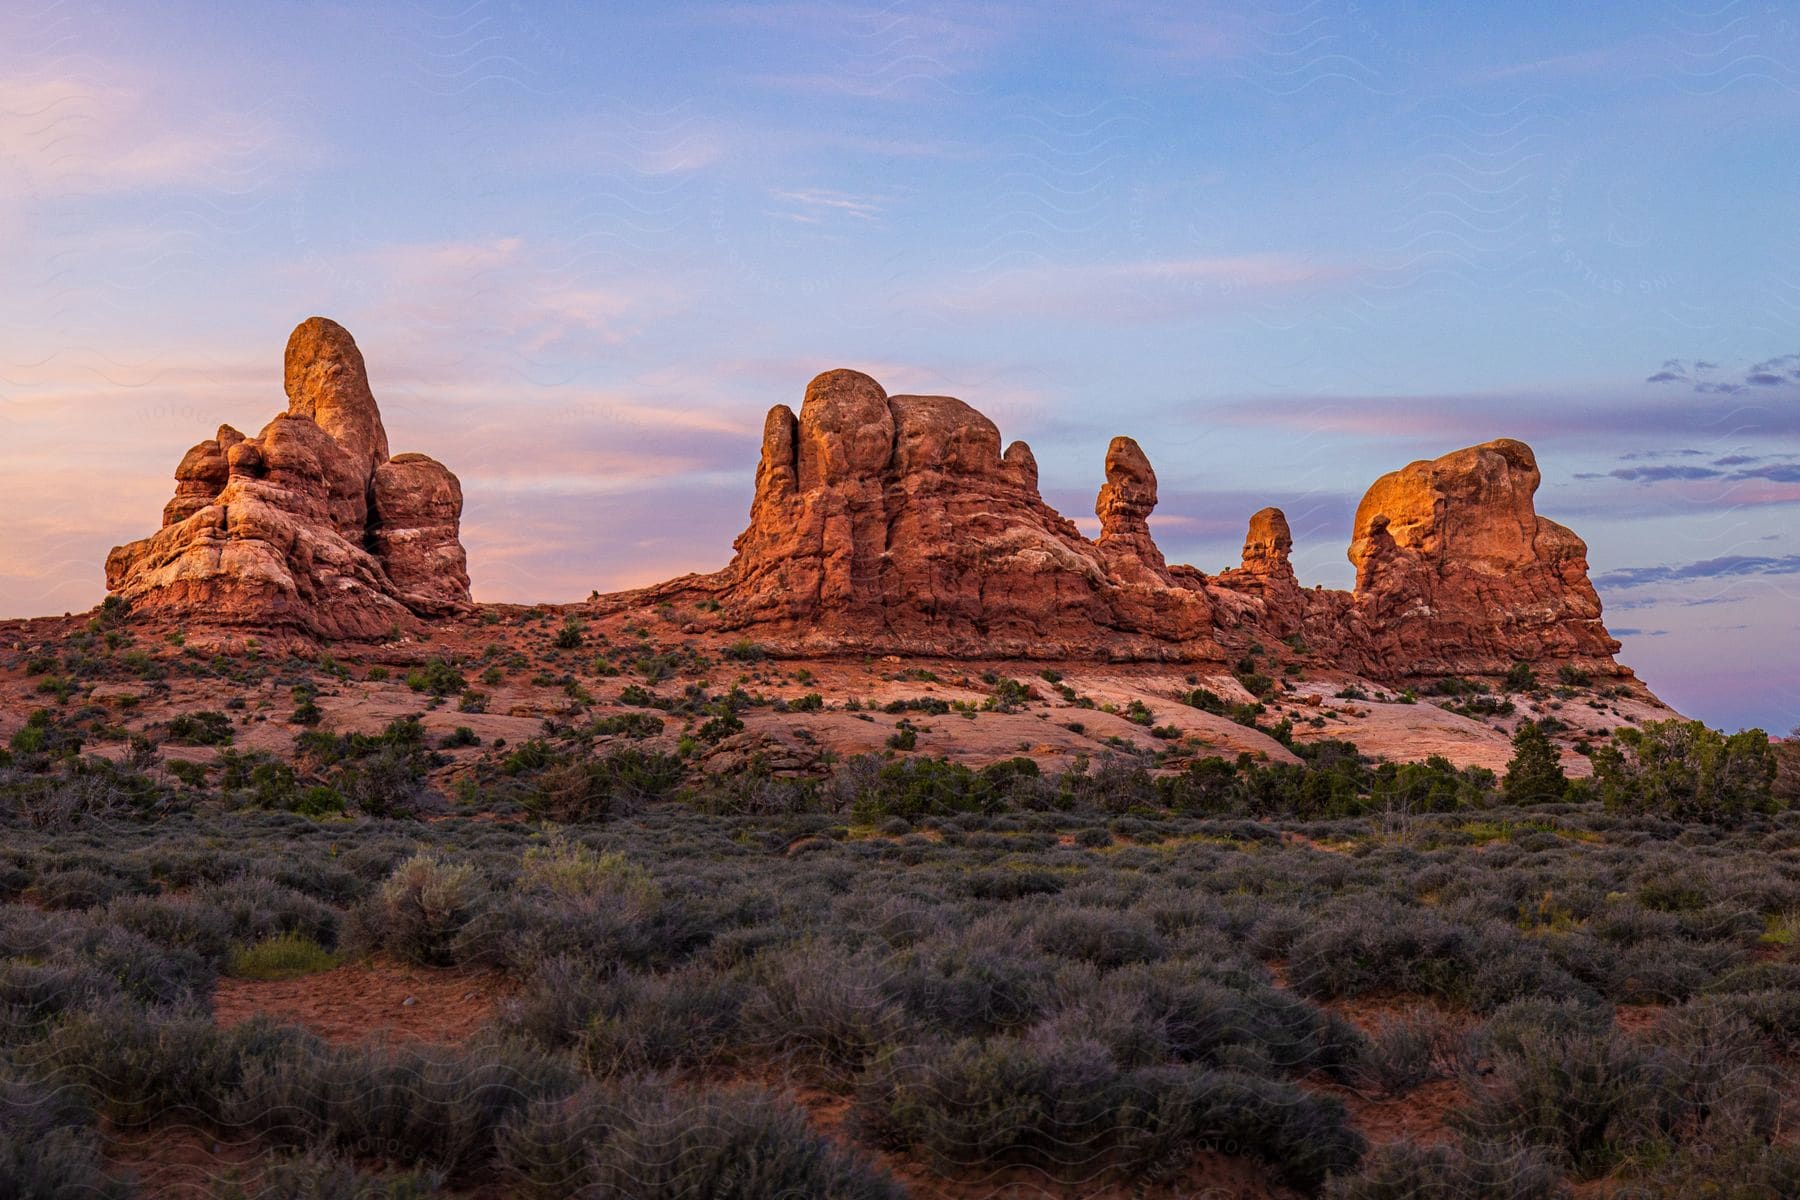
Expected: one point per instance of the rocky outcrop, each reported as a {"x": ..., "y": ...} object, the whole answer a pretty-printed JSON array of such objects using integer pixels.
[
  {"x": 1456, "y": 572},
  {"x": 308, "y": 527},
  {"x": 894, "y": 524}
]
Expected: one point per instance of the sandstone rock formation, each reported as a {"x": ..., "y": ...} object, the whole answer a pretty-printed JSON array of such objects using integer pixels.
[
  {"x": 897, "y": 523},
  {"x": 1455, "y": 571},
  {"x": 894, "y": 524},
  {"x": 308, "y": 527},
  {"x": 1124, "y": 506}
]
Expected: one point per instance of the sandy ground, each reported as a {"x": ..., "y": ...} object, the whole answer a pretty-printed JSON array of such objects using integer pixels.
[
  {"x": 1048, "y": 727},
  {"x": 358, "y": 1001}
]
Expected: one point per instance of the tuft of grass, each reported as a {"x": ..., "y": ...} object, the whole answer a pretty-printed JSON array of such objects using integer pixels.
[{"x": 284, "y": 956}]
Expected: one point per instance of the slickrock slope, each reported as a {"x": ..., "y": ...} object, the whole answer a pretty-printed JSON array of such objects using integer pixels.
[
  {"x": 309, "y": 527},
  {"x": 895, "y": 525}
]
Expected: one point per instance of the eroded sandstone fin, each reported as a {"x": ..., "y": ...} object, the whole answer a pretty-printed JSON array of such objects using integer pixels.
[
  {"x": 326, "y": 381},
  {"x": 1023, "y": 464},
  {"x": 1124, "y": 506},
  {"x": 1268, "y": 544}
]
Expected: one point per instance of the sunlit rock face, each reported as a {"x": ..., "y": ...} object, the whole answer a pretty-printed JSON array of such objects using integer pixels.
[
  {"x": 1456, "y": 572},
  {"x": 309, "y": 526}
]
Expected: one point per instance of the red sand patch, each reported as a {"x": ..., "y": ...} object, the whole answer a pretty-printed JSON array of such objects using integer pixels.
[
  {"x": 1420, "y": 1116},
  {"x": 358, "y": 1001},
  {"x": 1636, "y": 1018},
  {"x": 179, "y": 1162}
]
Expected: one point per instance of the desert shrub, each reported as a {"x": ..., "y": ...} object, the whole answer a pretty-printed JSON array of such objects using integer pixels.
[
  {"x": 77, "y": 887},
  {"x": 1013, "y": 883},
  {"x": 81, "y": 792},
  {"x": 43, "y": 739},
  {"x": 1589, "y": 1101},
  {"x": 33, "y": 995},
  {"x": 1510, "y": 1023},
  {"x": 644, "y": 1140},
  {"x": 388, "y": 783},
  {"x": 965, "y": 984},
  {"x": 1067, "y": 1110},
  {"x": 679, "y": 1020},
  {"x": 824, "y": 1010},
  {"x": 1478, "y": 1171},
  {"x": 1157, "y": 1013},
  {"x": 204, "y": 728},
  {"x": 255, "y": 909},
  {"x": 566, "y": 789},
  {"x": 48, "y": 1144},
  {"x": 1365, "y": 946},
  {"x": 421, "y": 909},
  {"x": 567, "y": 868},
  {"x": 1757, "y": 977},
  {"x": 920, "y": 787},
  {"x": 1402, "y": 1053},
  {"x": 421, "y": 1104},
  {"x": 139, "y": 1066},
  {"x": 1112, "y": 785},
  {"x": 438, "y": 678},
  {"x": 1684, "y": 771},
  {"x": 284, "y": 956},
  {"x": 1256, "y": 683},
  {"x": 1746, "y": 1168},
  {"x": 1435, "y": 785},
  {"x": 741, "y": 1144},
  {"x": 1105, "y": 937},
  {"x": 1206, "y": 700},
  {"x": 631, "y": 725},
  {"x": 322, "y": 1175}
]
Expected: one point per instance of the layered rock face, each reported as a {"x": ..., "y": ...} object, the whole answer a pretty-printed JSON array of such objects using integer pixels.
[
  {"x": 894, "y": 524},
  {"x": 309, "y": 526}
]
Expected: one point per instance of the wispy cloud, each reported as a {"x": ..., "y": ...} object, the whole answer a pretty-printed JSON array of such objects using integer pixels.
[
  {"x": 1782, "y": 371},
  {"x": 813, "y": 205},
  {"x": 1724, "y": 567}
]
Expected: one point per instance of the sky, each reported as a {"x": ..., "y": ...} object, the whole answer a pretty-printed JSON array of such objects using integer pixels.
[{"x": 1287, "y": 246}]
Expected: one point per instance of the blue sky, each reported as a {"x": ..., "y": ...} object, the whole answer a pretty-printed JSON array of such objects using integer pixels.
[{"x": 1287, "y": 247}]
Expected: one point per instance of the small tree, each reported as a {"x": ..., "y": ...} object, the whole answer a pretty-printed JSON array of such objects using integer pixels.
[
  {"x": 1535, "y": 774},
  {"x": 1787, "y": 769},
  {"x": 1683, "y": 770}
]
